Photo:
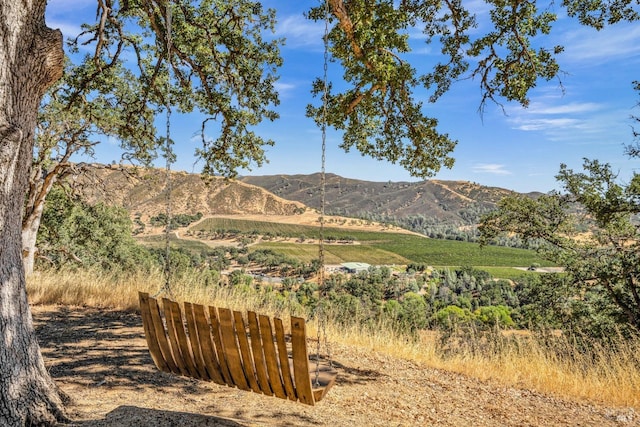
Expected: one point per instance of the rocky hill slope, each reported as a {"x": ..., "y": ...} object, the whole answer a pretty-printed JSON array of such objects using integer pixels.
[
  {"x": 447, "y": 201},
  {"x": 143, "y": 193}
]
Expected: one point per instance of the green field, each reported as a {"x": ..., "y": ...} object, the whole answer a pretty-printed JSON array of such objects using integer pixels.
[
  {"x": 159, "y": 242},
  {"x": 335, "y": 254},
  {"x": 377, "y": 247},
  {"x": 262, "y": 227}
]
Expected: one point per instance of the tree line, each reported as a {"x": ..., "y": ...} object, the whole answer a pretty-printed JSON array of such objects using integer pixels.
[{"x": 79, "y": 235}]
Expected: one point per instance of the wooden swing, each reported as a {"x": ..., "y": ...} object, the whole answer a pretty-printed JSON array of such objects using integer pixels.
[{"x": 221, "y": 345}]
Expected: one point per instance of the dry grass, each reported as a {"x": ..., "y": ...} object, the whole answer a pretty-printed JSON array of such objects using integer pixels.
[
  {"x": 552, "y": 364},
  {"x": 519, "y": 360},
  {"x": 95, "y": 289}
]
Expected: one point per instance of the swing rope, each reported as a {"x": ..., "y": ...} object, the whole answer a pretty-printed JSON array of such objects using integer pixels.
[
  {"x": 322, "y": 315},
  {"x": 159, "y": 330},
  {"x": 166, "y": 288}
]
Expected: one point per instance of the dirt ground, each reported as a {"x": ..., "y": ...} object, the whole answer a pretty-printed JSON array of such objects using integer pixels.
[{"x": 100, "y": 361}]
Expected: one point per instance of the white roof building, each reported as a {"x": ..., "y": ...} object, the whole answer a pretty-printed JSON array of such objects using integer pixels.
[{"x": 355, "y": 267}]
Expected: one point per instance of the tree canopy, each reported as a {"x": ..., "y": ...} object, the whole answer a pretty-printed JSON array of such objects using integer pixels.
[{"x": 377, "y": 103}]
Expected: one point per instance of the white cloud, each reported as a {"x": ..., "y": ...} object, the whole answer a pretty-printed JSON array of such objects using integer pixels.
[
  {"x": 490, "y": 168},
  {"x": 69, "y": 15},
  {"x": 527, "y": 124},
  {"x": 285, "y": 89},
  {"x": 478, "y": 7},
  {"x": 586, "y": 45},
  {"x": 583, "y": 122},
  {"x": 570, "y": 108},
  {"x": 423, "y": 50},
  {"x": 300, "y": 32}
]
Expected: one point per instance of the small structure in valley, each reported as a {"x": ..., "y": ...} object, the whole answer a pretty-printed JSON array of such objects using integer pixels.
[{"x": 355, "y": 267}]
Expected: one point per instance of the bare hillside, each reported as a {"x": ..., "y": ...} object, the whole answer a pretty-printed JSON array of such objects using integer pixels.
[
  {"x": 443, "y": 200},
  {"x": 142, "y": 192}
]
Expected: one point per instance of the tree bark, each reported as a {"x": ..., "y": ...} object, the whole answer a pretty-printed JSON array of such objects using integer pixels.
[
  {"x": 39, "y": 188},
  {"x": 29, "y": 236},
  {"x": 31, "y": 60}
]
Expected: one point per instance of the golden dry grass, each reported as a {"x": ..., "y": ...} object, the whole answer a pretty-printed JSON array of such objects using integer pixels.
[{"x": 518, "y": 360}]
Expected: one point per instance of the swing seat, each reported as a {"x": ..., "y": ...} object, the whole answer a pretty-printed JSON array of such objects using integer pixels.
[{"x": 218, "y": 345}]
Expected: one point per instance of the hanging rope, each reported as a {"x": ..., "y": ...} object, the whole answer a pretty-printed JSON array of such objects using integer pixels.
[
  {"x": 321, "y": 276},
  {"x": 324, "y": 147},
  {"x": 168, "y": 159}
]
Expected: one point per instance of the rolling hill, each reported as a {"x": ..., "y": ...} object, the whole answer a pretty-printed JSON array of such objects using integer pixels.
[
  {"x": 444, "y": 201},
  {"x": 142, "y": 191},
  {"x": 288, "y": 198}
]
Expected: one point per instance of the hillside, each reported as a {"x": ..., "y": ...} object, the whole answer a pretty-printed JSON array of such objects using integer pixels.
[
  {"x": 445, "y": 201},
  {"x": 142, "y": 192}
]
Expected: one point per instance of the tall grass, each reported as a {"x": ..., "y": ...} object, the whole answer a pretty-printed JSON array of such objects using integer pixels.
[
  {"x": 549, "y": 363},
  {"x": 94, "y": 288}
]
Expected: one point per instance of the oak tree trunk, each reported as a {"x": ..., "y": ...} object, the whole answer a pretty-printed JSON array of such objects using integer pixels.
[
  {"x": 29, "y": 236},
  {"x": 40, "y": 186},
  {"x": 30, "y": 61}
]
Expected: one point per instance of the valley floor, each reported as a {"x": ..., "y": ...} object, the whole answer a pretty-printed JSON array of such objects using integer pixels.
[{"x": 100, "y": 361}]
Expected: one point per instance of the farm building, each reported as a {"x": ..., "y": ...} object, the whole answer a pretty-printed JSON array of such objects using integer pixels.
[{"x": 355, "y": 267}]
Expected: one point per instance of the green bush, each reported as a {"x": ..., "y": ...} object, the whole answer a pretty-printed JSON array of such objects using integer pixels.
[
  {"x": 494, "y": 316},
  {"x": 452, "y": 316}
]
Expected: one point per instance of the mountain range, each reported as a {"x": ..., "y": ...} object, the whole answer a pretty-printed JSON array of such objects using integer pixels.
[
  {"x": 142, "y": 191},
  {"x": 443, "y": 201}
]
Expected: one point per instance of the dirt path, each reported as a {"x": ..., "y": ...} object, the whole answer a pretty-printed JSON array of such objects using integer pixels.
[{"x": 100, "y": 361}]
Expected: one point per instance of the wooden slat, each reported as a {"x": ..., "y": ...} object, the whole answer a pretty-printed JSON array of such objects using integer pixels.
[
  {"x": 194, "y": 343},
  {"x": 150, "y": 333},
  {"x": 301, "y": 360},
  {"x": 326, "y": 379},
  {"x": 270, "y": 357},
  {"x": 231, "y": 351},
  {"x": 183, "y": 341},
  {"x": 258, "y": 354},
  {"x": 209, "y": 355},
  {"x": 217, "y": 339},
  {"x": 247, "y": 358},
  {"x": 218, "y": 349},
  {"x": 284, "y": 360},
  {"x": 161, "y": 335},
  {"x": 172, "y": 332}
]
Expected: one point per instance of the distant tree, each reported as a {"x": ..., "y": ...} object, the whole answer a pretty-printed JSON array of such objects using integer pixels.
[
  {"x": 494, "y": 316},
  {"x": 545, "y": 301},
  {"x": 606, "y": 260},
  {"x": 239, "y": 278},
  {"x": 414, "y": 311},
  {"x": 451, "y": 316},
  {"x": 392, "y": 309}
]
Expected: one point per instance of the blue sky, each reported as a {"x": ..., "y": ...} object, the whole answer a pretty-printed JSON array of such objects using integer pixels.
[{"x": 519, "y": 149}]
